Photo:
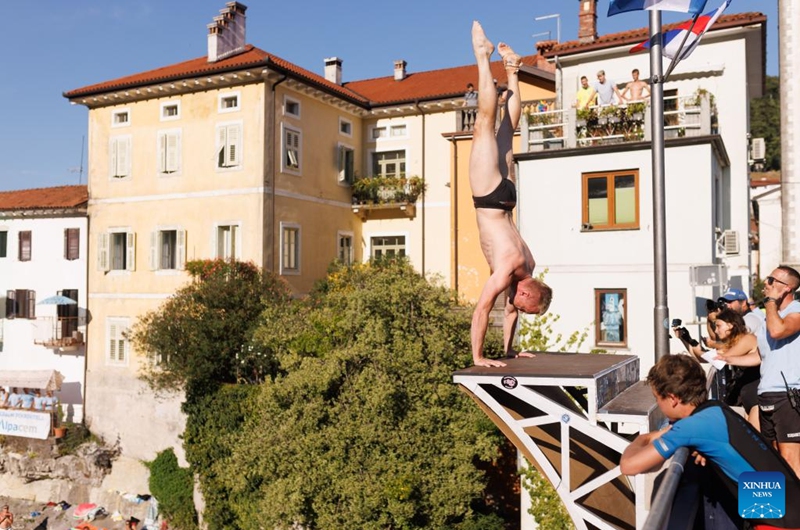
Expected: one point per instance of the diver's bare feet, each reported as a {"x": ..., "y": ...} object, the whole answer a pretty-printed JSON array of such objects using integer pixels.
[
  {"x": 511, "y": 61},
  {"x": 480, "y": 44}
]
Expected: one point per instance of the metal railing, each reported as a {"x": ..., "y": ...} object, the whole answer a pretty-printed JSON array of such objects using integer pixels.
[
  {"x": 58, "y": 332},
  {"x": 543, "y": 128}
]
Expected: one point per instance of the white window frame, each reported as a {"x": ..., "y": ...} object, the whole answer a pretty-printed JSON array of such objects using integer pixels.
[
  {"x": 373, "y": 152},
  {"x": 116, "y": 327},
  {"x": 119, "y": 112},
  {"x": 373, "y": 138},
  {"x": 169, "y": 161},
  {"x": 341, "y": 172},
  {"x": 228, "y": 95},
  {"x": 105, "y": 248},
  {"x": 397, "y": 127},
  {"x": 348, "y": 124},
  {"x": 285, "y": 151},
  {"x": 387, "y": 234},
  {"x": 222, "y": 134},
  {"x": 286, "y": 112},
  {"x": 217, "y": 244},
  {"x": 340, "y": 235},
  {"x": 156, "y": 247},
  {"x": 171, "y": 103},
  {"x": 284, "y": 270},
  {"x": 119, "y": 157}
]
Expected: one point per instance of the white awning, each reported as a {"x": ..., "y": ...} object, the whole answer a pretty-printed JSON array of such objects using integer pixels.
[{"x": 42, "y": 379}]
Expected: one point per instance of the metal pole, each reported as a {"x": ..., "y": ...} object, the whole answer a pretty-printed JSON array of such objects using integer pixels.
[{"x": 661, "y": 309}]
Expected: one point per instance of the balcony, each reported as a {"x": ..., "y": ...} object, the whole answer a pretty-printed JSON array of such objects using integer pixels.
[
  {"x": 59, "y": 332},
  {"x": 543, "y": 129},
  {"x": 386, "y": 196}
]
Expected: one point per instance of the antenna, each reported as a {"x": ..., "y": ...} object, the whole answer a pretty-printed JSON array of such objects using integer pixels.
[{"x": 80, "y": 171}]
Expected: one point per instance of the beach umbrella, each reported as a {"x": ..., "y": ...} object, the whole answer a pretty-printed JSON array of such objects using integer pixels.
[{"x": 57, "y": 300}]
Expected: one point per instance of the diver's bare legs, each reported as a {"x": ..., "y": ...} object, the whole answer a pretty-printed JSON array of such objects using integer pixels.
[
  {"x": 484, "y": 174},
  {"x": 513, "y": 111}
]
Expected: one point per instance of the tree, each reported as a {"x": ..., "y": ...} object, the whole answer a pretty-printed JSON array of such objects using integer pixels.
[
  {"x": 362, "y": 426},
  {"x": 201, "y": 336},
  {"x": 765, "y": 122}
]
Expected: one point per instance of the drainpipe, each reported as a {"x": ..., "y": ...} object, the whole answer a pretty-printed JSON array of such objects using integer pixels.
[
  {"x": 416, "y": 103},
  {"x": 268, "y": 237},
  {"x": 455, "y": 211}
]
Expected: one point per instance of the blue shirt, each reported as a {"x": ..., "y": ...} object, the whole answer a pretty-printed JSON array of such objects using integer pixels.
[
  {"x": 26, "y": 400},
  {"x": 779, "y": 355}
]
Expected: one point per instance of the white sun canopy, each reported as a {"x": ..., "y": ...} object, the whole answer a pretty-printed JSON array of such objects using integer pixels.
[{"x": 42, "y": 379}]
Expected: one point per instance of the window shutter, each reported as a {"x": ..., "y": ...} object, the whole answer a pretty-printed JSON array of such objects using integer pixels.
[
  {"x": 172, "y": 147},
  {"x": 102, "y": 252},
  {"x": 112, "y": 342},
  {"x": 123, "y": 157},
  {"x": 234, "y": 145},
  {"x": 153, "y": 251},
  {"x": 11, "y": 305},
  {"x": 180, "y": 249},
  {"x": 130, "y": 249},
  {"x": 121, "y": 343},
  {"x": 162, "y": 153},
  {"x": 25, "y": 246},
  {"x": 112, "y": 162},
  {"x": 71, "y": 243},
  {"x": 222, "y": 143},
  {"x": 31, "y": 309},
  {"x": 342, "y": 165}
]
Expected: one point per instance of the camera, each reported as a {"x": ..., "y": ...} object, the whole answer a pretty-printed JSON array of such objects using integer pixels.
[
  {"x": 714, "y": 305},
  {"x": 683, "y": 333}
]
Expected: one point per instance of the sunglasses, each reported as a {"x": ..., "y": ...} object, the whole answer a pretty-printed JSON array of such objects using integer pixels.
[{"x": 773, "y": 279}]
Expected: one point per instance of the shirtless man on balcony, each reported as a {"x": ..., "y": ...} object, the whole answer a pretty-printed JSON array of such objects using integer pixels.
[
  {"x": 491, "y": 177},
  {"x": 639, "y": 90}
]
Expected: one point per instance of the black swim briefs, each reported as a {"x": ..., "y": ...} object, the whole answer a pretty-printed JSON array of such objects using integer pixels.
[{"x": 504, "y": 197}]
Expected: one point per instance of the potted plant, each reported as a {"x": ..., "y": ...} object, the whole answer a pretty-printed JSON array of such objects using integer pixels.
[
  {"x": 635, "y": 111},
  {"x": 59, "y": 431}
]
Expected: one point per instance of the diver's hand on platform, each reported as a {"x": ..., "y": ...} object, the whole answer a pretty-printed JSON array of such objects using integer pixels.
[
  {"x": 491, "y": 363},
  {"x": 525, "y": 354}
]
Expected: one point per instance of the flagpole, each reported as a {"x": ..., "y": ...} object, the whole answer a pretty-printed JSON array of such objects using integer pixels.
[{"x": 661, "y": 309}]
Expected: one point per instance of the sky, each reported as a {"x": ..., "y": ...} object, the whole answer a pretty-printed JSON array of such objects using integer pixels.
[{"x": 53, "y": 46}]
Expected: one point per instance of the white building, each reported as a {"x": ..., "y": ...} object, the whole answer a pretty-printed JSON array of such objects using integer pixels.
[
  {"x": 43, "y": 254},
  {"x": 585, "y": 189}
]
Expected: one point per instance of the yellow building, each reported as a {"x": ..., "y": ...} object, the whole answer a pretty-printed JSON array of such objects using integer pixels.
[{"x": 242, "y": 154}]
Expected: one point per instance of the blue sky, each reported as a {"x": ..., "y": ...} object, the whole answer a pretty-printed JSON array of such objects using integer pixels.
[{"x": 53, "y": 46}]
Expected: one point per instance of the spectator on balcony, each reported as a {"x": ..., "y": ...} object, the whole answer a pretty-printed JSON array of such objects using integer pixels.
[
  {"x": 586, "y": 96},
  {"x": 3, "y": 397},
  {"x": 637, "y": 90},
  {"x": 26, "y": 399},
  {"x": 470, "y": 96},
  {"x": 491, "y": 177},
  {"x": 14, "y": 398},
  {"x": 716, "y": 433},
  {"x": 606, "y": 90},
  {"x": 38, "y": 400},
  {"x": 49, "y": 401}
]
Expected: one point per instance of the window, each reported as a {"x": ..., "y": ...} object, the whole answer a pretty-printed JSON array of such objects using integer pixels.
[
  {"x": 611, "y": 317},
  {"x": 388, "y": 246},
  {"x": 291, "y": 107},
  {"x": 291, "y": 150},
  {"x": 171, "y": 110},
  {"x": 72, "y": 243},
  {"x": 67, "y": 314},
  {"x": 344, "y": 246},
  {"x": 290, "y": 248},
  {"x": 345, "y": 127},
  {"x": 389, "y": 164},
  {"x": 394, "y": 131},
  {"x": 398, "y": 131},
  {"x": 121, "y": 118},
  {"x": 3, "y": 244},
  {"x": 229, "y": 145},
  {"x": 117, "y": 345},
  {"x": 380, "y": 132},
  {"x": 228, "y": 242},
  {"x": 169, "y": 152},
  {"x": 20, "y": 303},
  {"x": 116, "y": 251},
  {"x": 119, "y": 157},
  {"x": 611, "y": 200},
  {"x": 229, "y": 102},
  {"x": 25, "y": 245},
  {"x": 167, "y": 250},
  {"x": 347, "y": 160}
]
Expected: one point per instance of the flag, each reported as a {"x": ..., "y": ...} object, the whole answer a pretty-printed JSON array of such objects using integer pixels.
[
  {"x": 673, "y": 38},
  {"x": 682, "y": 6}
]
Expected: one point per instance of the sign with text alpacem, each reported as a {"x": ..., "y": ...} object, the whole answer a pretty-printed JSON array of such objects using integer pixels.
[{"x": 24, "y": 423}]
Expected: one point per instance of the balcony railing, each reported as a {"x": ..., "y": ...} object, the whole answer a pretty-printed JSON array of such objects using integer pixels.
[
  {"x": 386, "y": 193},
  {"x": 693, "y": 115},
  {"x": 59, "y": 332}
]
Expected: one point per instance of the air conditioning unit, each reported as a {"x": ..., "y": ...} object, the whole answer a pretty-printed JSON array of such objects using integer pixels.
[
  {"x": 728, "y": 243},
  {"x": 758, "y": 150}
]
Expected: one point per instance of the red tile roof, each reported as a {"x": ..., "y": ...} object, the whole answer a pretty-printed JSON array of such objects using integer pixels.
[
  {"x": 428, "y": 85},
  {"x": 44, "y": 198},
  {"x": 636, "y": 36}
]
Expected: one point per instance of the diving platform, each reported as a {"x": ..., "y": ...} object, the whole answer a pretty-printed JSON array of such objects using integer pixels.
[{"x": 562, "y": 411}]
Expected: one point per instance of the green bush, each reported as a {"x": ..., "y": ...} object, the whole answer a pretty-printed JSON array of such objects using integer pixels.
[{"x": 172, "y": 485}]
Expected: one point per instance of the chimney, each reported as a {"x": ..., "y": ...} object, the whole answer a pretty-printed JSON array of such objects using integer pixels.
[
  {"x": 400, "y": 70},
  {"x": 333, "y": 70},
  {"x": 226, "y": 35},
  {"x": 587, "y": 21}
]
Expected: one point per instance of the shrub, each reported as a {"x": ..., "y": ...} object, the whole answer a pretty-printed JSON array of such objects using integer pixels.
[{"x": 173, "y": 485}]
